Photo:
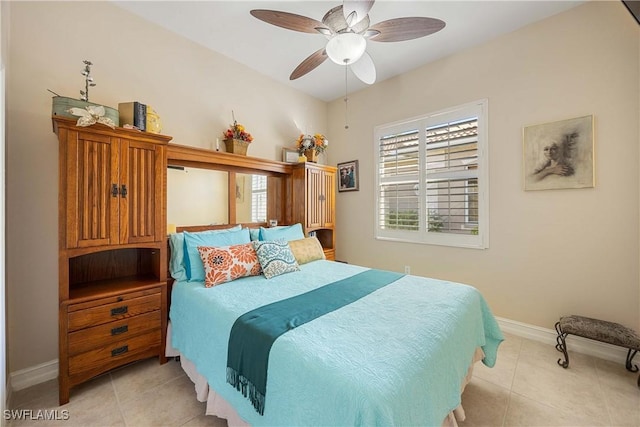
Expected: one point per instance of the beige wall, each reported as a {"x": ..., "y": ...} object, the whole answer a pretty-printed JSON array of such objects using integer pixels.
[
  {"x": 551, "y": 252},
  {"x": 192, "y": 89}
]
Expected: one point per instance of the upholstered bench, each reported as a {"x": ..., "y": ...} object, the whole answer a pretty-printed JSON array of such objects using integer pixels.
[{"x": 598, "y": 330}]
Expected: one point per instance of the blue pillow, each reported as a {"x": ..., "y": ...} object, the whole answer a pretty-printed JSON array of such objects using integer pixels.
[
  {"x": 284, "y": 232},
  {"x": 227, "y": 237},
  {"x": 176, "y": 262},
  {"x": 254, "y": 233}
]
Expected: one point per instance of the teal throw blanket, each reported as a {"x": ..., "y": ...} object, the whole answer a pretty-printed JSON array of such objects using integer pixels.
[{"x": 253, "y": 333}]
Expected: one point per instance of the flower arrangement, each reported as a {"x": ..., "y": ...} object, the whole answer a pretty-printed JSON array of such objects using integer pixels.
[
  {"x": 317, "y": 142},
  {"x": 237, "y": 131}
]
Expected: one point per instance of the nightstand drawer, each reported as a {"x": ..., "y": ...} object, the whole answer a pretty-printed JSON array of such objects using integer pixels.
[
  {"x": 113, "y": 352},
  {"x": 110, "y": 312},
  {"x": 97, "y": 336}
]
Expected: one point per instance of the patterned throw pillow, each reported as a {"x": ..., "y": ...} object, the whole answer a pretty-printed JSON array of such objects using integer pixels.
[
  {"x": 307, "y": 250},
  {"x": 227, "y": 263},
  {"x": 275, "y": 257}
]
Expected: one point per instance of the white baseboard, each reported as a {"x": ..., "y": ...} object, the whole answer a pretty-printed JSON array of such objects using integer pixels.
[
  {"x": 574, "y": 343},
  {"x": 28, "y": 377},
  {"x": 49, "y": 370}
]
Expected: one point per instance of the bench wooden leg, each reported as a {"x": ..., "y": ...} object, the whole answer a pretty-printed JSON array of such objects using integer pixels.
[{"x": 562, "y": 346}]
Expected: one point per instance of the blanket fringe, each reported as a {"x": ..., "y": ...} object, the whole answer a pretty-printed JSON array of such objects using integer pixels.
[{"x": 244, "y": 386}]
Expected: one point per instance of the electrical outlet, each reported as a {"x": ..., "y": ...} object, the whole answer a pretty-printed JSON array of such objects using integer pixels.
[{"x": 407, "y": 269}]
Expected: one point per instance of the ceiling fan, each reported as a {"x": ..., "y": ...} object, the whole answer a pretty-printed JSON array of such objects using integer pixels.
[{"x": 347, "y": 28}]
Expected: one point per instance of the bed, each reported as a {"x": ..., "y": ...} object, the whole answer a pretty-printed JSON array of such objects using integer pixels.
[{"x": 398, "y": 355}]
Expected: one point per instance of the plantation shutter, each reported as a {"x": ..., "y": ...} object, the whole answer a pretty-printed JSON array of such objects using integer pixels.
[
  {"x": 452, "y": 177},
  {"x": 399, "y": 205},
  {"x": 432, "y": 178}
]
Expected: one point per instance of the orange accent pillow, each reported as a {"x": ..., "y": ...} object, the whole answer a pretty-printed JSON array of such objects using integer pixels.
[{"x": 227, "y": 263}]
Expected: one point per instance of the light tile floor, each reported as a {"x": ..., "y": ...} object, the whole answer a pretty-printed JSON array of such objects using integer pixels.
[{"x": 525, "y": 388}]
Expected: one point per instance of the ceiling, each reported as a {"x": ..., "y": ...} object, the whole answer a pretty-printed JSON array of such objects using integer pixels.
[{"x": 228, "y": 28}]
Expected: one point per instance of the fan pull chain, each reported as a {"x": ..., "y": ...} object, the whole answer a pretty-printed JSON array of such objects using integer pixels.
[{"x": 346, "y": 99}]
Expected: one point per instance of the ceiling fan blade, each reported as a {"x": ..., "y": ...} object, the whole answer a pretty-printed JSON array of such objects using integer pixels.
[
  {"x": 364, "y": 69},
  {"x": 355, "y": 10},
  {"x": 401, "y": 29},
  {"x": 287, "y": 20},
  {"x": 312, "y": 61}
]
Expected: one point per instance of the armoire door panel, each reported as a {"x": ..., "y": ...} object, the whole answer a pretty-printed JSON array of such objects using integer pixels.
[
  {"x": 314, "y": 192},
  {"x": 140, "y": 187},
  {"x": 328, "y": 202},
  {"x": 91, "y": 211}
]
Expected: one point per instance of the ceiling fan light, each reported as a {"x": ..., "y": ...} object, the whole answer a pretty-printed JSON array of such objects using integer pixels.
[{"x": 346, "y": 48}]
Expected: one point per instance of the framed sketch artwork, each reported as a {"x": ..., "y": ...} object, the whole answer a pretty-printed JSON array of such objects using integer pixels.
[
  {"x": 348, "y": 176},
  {"x": 559, "y": 155}
]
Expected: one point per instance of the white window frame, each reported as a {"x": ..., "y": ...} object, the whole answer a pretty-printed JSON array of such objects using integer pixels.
[
  {"x": 258, "y": 197},
  {"x": 480, "y": 240}
]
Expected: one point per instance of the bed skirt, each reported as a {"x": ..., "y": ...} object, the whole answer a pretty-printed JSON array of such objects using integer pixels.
[{"x": 217, "y": 406}]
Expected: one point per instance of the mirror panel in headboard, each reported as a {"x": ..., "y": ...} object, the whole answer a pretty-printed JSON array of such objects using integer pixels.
[
  {"x": 251, "y": 198},
  {"x": 225, "y": 188},
  {"x": 194, "y": 194}
]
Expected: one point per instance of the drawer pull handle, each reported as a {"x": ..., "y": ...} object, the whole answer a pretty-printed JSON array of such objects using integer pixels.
[
  {"x": 119, "y": 310},
  {"x": 120, "y": 350},
  {"x": 120, "y": 330}
]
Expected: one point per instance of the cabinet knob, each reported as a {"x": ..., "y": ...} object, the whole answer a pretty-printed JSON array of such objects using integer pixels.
[
  {"x": 114, "y": 190},
  {"x": 321, "y": 197},
  {"x": 123, "y": 190}
]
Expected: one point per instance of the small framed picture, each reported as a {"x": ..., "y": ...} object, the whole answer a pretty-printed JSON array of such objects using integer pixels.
[
  {"x": 290, "y": 155},
  {"x": 348, "y": 176}
]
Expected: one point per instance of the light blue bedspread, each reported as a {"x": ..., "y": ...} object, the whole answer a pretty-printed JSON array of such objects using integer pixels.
[{"x": 395, "y": 357}]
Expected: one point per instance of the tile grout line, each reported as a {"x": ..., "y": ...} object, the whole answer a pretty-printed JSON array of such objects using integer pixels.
[
  {"x": 513, "y": 378},
  {"x": 115, "y": 392},
  {"x": 606, "y": 397}
]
